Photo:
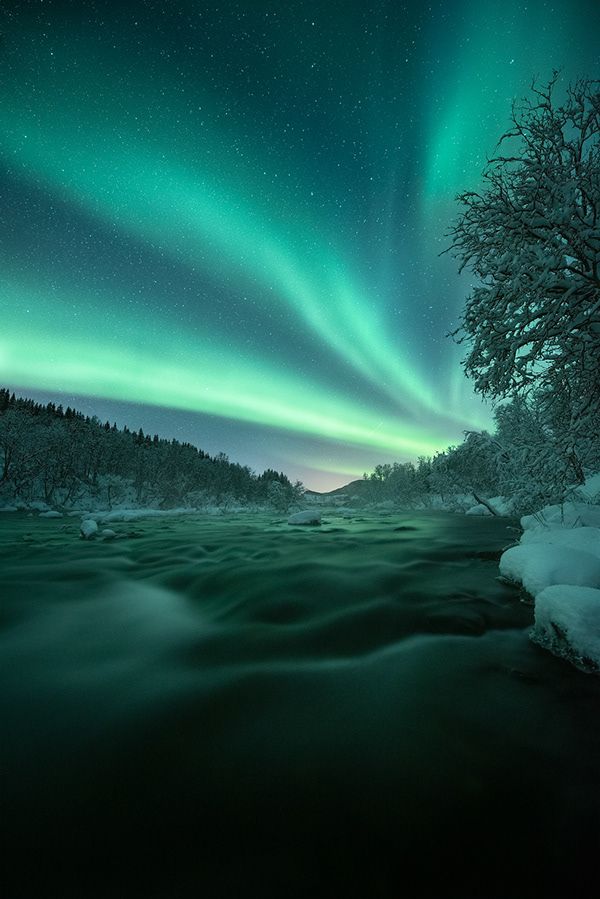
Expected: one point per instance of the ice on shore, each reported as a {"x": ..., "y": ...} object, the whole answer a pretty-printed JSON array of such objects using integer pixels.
[{"x": 50, "y": 514}]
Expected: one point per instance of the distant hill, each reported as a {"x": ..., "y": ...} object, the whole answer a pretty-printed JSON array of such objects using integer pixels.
[{"x": 354, "y": 488}]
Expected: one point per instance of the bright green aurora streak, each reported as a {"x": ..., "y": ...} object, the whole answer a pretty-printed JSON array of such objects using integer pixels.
[
  {"x": 312, "y": 199},
  {"x": 200, "y": 219},
  {"x": 182, "y": 373}
]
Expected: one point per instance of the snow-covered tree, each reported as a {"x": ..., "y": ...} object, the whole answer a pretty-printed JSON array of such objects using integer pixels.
[
  {"x": 532, "y": 470},
  {"x": 531, "y": 237},
  {"x": 62, "y": 457},
  {"x": 472, "y": 465}
]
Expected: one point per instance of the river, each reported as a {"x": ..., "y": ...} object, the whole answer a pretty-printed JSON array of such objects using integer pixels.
[{"x": 230, "y": 706}]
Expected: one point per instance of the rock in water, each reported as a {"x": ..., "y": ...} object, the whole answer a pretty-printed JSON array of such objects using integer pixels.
[
  {"x": 88, "y": 529},
  {"x": 309, "y": 516}
]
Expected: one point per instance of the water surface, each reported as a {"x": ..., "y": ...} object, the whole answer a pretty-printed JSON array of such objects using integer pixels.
[{"x": 229, "y": 706}]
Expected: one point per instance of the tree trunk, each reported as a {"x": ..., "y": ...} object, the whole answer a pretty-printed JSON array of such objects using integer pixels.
[
  {"x": 577, "y": 468},
  {"x": 485, "y": 503}
]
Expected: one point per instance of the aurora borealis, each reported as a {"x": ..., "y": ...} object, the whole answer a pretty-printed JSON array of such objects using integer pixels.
[{"x": 228, "y": 216}]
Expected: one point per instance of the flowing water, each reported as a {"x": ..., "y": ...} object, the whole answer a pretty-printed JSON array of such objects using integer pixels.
[{"x": 229, "y": 707}]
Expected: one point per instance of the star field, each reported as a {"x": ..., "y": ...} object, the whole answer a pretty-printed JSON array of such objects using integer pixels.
[{"x": 222, "y": 222}]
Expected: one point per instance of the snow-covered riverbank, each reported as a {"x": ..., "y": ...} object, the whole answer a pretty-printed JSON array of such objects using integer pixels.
[{"x": 557, "y": 562}]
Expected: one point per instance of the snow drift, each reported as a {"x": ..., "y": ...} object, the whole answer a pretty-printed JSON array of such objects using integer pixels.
[{"x": 557, "y": 562}]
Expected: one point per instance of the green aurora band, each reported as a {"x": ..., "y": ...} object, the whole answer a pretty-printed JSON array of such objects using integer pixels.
[
  {"x": 182, "y": 374},
  {"x": 200, "y": 220},
  {"x": 127, "y": 147}
]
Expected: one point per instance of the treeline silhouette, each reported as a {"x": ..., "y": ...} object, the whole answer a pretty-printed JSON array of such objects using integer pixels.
[
  {"x": 531, "y": 459},
  {"x": 62, "y": 457}
]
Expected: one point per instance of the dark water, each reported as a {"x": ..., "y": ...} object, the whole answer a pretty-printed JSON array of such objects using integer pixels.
[{"x": 230, "y": 707}]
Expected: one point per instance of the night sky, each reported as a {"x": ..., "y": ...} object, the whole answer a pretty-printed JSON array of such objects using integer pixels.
[{"x": 221, "y": 222}]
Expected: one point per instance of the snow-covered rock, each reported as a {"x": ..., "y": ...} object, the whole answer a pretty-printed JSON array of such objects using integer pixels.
[
  {"x": 88, "y": 529},
  {"x": 479, "y": 509},
  {"x": 558, "y": 563},
  {"x": 108, "y": 534},
  {"x": 136, "y": 514},
  {"x": 500, "y": 504},
  {"x": 567, "y": 622},
  {"x": 308, "y": 516},
  {"x": 540, "y": 565},
  {"x": 51, "y": 514},
  {"x": 584, "y": 538}
]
